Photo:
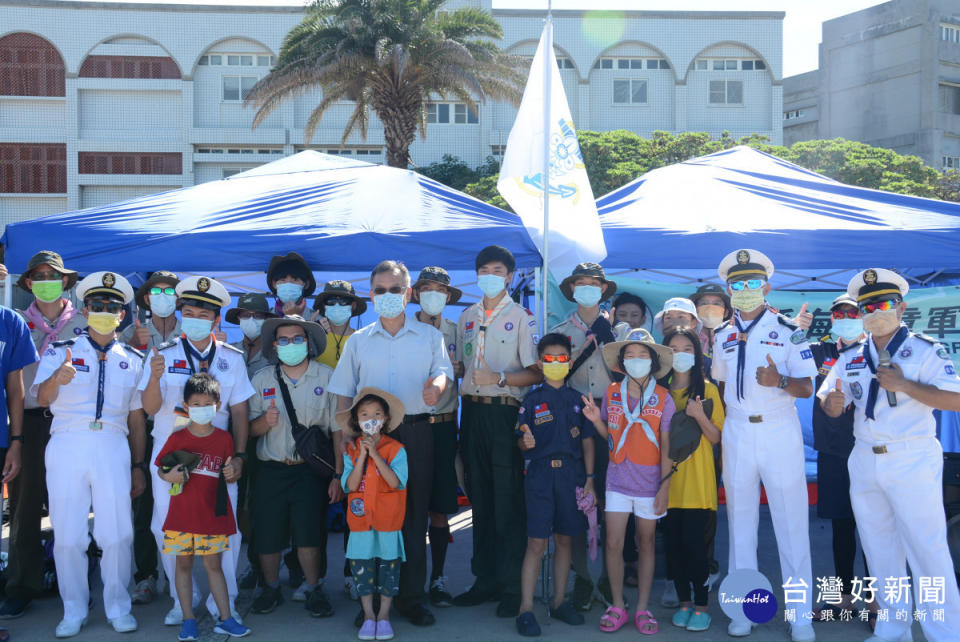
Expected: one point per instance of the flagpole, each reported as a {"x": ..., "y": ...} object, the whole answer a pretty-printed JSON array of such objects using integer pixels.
[{"x": 547, "y": 93}]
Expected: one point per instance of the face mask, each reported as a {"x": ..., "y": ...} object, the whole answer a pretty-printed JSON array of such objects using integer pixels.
[
  {"x": 163, "y": 305},
  {"x": 491, "y": 285},
  {"x": 292, "y": 353},
  {"x": 881, "y": 322},
  {"x": 289, "y": 292},
  {"x": 196, "y": 329},
  {"x": 47, "y": 291},
  {"x": 637, "y": 368},
  {"x": 747, "y": 300},
  {"x": 710, "y": 315},
  {"x": 847, "y": 329},
  {"x": 202, "y": 414},
  {"x": 555, "y": 370},
  {"x": 251, "y": 327},
  {"x": 683, "y": 361},
  {"x": 433, "y": 303},
  {"x": 338, "y": 314},
  {"x": 388, "y": 305},
  {"x": 103, "y": 322},
  {"x": 587, "y": 295},
  {"x": 371, "y": 426}
]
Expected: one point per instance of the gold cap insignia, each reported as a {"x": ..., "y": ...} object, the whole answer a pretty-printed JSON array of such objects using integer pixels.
[
  {"x": 203, "y": 284},
  {"x": 109, "y": 280},
  {"x": 870, "y": 277},
  {"x": 743, "y": 257}
]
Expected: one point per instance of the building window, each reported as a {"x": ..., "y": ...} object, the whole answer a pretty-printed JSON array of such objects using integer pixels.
[
  {"x": 243, "y": 150},
  {"x": 950, "y": 99},
  {"x": 33, "y": 169},
  {"x": 438, "y": 113},
  {"x": 236, "y": 60},
  {"x": 498, "y": 150},
  {"x": 30, "y": 66},
  {"x": 626, "y": 92},
  {"x": 143, "y": 67},
  {"x": 463, "y": 114},
  {"x": 130, "y": 163},
  {"x": 701, "y": 64},
  {"x": 236, "y": 88},
  {"x": 726, "y": 92},
  {"x": 564, "y": 63},
  {"x": 227, "y": 172},
  {"x": 950, "y": 33},
  {"x": 632, "y": 63},
  {"x": 793, "y": 114},
  {"x": 350, "y": 151},
  {"x": 730, "y": 65},
  {"x": 951, "y": 162}
]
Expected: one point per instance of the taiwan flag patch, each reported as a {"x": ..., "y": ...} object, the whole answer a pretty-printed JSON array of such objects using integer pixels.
[
  {"x": 179, "y": 363},
  {"x": 269, "y": 392},
  {"x": 80, "y": 365},
  {"x": 857, "y": 363}
]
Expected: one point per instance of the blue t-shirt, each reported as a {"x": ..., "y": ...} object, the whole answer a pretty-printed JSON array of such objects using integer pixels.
[
  {"x": 554, "y": 416},
  {"x": 16, "y": 352}
]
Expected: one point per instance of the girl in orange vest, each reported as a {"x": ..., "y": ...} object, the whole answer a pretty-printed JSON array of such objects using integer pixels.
[
  {"x": 375, "y": 479},
  {"x": 635, "y": 419}
]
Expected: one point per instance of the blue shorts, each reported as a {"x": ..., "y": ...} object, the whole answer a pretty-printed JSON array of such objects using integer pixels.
[{"x": 550, "y": 487}]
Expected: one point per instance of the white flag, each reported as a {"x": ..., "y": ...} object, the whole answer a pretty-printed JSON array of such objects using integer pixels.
[{"x": 574, "y": 226}]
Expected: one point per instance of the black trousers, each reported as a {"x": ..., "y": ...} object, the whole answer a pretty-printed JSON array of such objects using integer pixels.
[
  {"x": 144, "y": 543},
  {"x": 686, "y": 548},
  {"x": 417, "y": 440}
]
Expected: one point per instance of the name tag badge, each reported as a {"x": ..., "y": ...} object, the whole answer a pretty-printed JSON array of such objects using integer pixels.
[{"x": 96, "y": 425}]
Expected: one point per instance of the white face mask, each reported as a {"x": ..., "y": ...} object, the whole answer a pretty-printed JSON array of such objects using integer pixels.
[
  {"x": 637, "y": 368},
  {"x": 163, "y": 305},
  {"x": 881, "y": 322},
  {"x": 251, "y": 327},
  {"x": 683, "y": 361},
  {"x": 371, "y": 426},
  {"x": 710, "y": 315},
  {"x": 201, "y": 415},
  {"x": 491, "y": 284},
  {"x": 587, "y": 295},
  {"x": 433, "y": 302}
]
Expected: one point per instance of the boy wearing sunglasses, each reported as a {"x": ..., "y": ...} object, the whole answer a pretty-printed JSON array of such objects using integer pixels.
[
  {"x": 558, "y": 451},
  {"x": 765, "y": 363},
  {"x": 157, "y": 298},
  {"x": 894, "y": 380}
]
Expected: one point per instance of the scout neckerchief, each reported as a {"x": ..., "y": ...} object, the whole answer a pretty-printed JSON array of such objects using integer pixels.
[
  {"x": 635, "y": 417},
  {"x": 742, "y": 348},
  {"x": 486, "y": 320},
  {"x": 598, "y": 334},
  {"x": 892, "y": 348},
  {"x": 101, "y": 378},
  {"x": 190, "y": 352},
  {"x": 34, "y": 316}
]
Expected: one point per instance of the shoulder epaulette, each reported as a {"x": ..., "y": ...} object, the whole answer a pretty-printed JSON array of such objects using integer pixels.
[
  {"x": 784, "y": 321},
  {"x": 851, "y": 346},
  {"x": 230, "y": 347},
  {"x": 722, "y": 326},
  {"x": 927, "y": 338},
  {"x": 65, "y": 342},
  {"x": 130, "y": 348},
  {"x": 168, "y": 344}
]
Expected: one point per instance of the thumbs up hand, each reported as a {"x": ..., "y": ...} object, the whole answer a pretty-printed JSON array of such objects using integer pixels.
[
  {"x": 157, "y": 365},
  {"x": 431, "y": 394},
  {"x": 484, "y": 376},
  {"x": 768, "y": 375},
  {"x": 66, "y": 372},
  {"x": 273, "y": 414},
  {"x": 527, "y": 442},
  {"x": 141, "y": 336},
  {"x": 219, "y": 334},
  {"x": 804, "y": 318},
  {"x": 835, "y": 402}
]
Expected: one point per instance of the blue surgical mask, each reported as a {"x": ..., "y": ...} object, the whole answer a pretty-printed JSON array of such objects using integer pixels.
[
  {"x": 196, "y": 329},
  {"x": 163, "y": 305},
  {"x": 292, "y": 353},
  {"x": 289, "y": 292},
  {"x": 491, "y": 284},
  {"x": 338, "y": 314},
  {"x": 202, "y": 415},
  {"x": 251, "y": 327},
  {"x": 433, "y": 302},
  {"x": 683, "y": 361},
  {"x": 587, "y": 295},
  {"x": 388, "y": 305},
  {"x": 847, "y": 329},
  {"x": 637, "y": 368}
]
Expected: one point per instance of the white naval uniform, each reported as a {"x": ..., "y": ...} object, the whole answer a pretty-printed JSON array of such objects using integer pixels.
[
  {"x": 897, "y": 496},
  {"x": 85, "y": 466},
  {"x": 229, "y": 368},
  {"x": 768, "y": 448}
]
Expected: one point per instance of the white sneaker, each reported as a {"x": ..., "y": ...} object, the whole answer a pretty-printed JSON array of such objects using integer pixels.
[
  {"x": 233, "y": 613},
  {"x": 802, "y": 633},
  {"x": 350, "y": 588},
  {"x": 300, "y": 595},
  {"x": 124, "y": 624},
  {"x": 174, "y": 616},
  {"x": 738, "y": 629},
  {"x": 670, "y": 599},
  {"x": 70, "y": 628}
]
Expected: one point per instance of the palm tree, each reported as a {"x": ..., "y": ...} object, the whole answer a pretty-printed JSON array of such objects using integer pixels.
[{"x": 391, "y": 56}]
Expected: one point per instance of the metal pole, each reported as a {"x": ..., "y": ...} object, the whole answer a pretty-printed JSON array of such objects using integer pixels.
[{"x": 547, "y": 90}]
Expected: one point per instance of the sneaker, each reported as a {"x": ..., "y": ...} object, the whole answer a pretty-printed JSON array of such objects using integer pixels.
[
  {"x": 13, "y": 607},
  {"x": 144, "y": 592},
  {"x": 439, "y": 595},
  {"x": 682, "y": 617},
  {"x": 70, "y": 628},
  {"x": 699, "y": 621},
  {"x": 582, "y": 597},
  {"x": 232, "y": 628},
  {"x": 368, "y": 631},
  {"x": 350, "y": 588},
  {"x": 300, "y": 595},
  {"x": 739, "y": 629},
  {"x": 384, "y": 630},
  {"x": 669, "y": 598},
  {"x": 124, "y": 624},
  {"x": 216, "y": 614},
  {"x": 267, "y": 601},
  {"x": 189, "y": 631},
  {"x": 174, "y": 616},
  {"x": 527, "y": 625},
  {"x": 317, "y": 603}
]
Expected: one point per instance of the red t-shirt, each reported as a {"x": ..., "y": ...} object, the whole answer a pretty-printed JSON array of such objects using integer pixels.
[{"x": 194, "y": 509}]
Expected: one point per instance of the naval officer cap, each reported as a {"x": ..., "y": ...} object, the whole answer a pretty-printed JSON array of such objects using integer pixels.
[
  {"x": 877, "y": 283},
  {"x": 740, "y": 265},
  {"x": 203, "y": 292},
  {"x": 108, "y": 284}
]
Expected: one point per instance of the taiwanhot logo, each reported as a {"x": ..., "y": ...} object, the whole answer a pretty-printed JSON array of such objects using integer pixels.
[{"x": 747, "y": 596}]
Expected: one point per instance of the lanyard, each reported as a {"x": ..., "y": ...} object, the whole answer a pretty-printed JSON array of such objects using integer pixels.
[
  {"x": 101, "y": 377},
  {"x": 636, "y": 417},
  {"x": 742, "y": 334},
  {"x": 892, "y": 348},
  {"x": 190, "y": 352}
]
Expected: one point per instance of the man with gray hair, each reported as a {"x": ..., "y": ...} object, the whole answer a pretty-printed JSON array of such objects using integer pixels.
[{"x": 408, "y": 359}]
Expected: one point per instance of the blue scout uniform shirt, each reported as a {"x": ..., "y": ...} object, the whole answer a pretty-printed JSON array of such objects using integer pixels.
[
  {"x": 553, "y": 416},
  {"x": 16, "y": 352}
]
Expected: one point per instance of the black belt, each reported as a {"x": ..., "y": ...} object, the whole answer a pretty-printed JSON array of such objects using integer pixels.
[
  {"x": 494, "y": 401},
  {"x": 415, "y": 419},
  {"x": 38, "y": 412}
]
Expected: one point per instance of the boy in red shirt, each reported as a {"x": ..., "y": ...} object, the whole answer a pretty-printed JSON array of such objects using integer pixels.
[{"x": 197, "y": 523}]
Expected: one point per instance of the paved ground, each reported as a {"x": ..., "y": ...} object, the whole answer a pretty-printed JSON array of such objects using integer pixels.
[{"x": 290, "y": 621}]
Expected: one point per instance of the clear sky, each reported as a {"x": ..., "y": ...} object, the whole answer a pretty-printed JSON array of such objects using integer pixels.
[{"x": 801, "y": 26}]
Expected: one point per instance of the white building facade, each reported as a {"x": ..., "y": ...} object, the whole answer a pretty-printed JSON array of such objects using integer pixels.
[{"x": 101, "y": 102}]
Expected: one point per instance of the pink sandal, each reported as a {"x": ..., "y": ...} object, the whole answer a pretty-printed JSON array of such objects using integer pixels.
[
  {"x": 613, "y": 619},
  {"x": 647, "y": 625}
]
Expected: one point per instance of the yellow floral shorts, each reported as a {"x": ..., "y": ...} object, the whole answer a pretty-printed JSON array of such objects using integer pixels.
[{"x": 180, "y": 543}]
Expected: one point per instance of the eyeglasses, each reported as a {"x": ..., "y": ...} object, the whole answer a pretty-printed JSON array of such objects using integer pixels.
[
  {"x": 112, "y": 307},
  {"x": 394, "y": 290},
  {"x": 752, "y": 284},
  {"x": 338, "y": 300},
  {"x": 45, "y": 276},
  {"x": 878, "y": 306},
  {"x": 285, "y": 341},
  {"x": 836, "y": 315},
  {"x": 559, "y": 358},
  {"x": 167, "y": 291}
]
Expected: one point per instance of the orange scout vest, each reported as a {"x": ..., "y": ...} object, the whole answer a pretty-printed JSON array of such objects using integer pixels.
[
  {"x": 374, "y": 505},
  {"x": 638, "y": 449}
]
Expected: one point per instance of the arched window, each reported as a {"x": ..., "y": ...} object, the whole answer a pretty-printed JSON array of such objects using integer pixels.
[{"x": 30, "y": 66}]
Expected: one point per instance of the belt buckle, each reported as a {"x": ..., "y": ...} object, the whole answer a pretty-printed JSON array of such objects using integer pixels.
[
  {"x": 556, "y": 463},
  {"x": 755, "y": 419},
  {"x": 879, "y": 450}
]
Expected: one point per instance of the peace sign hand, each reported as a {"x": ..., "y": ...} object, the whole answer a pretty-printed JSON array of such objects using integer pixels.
[{"x": 590, "y": 409}]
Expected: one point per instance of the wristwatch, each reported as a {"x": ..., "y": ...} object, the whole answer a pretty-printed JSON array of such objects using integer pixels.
[
  {"x": 142, "y": 465},
  {"x": 784, "y": 382},
  {"x": 241, "y": 456},
  {"x": 16, "y": 438},
  {"x": 503, "y": 380}
]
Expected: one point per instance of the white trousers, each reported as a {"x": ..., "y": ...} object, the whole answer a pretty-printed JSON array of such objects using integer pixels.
[
  {"x": 770, "y": 452},
  {"x": 229, "y": 559},
  {"x": 897, "y": 500},
  {"x": 83, "y": 468}
]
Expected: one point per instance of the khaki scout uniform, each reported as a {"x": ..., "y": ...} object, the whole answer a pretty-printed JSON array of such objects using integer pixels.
[
  {"x": 254, "y": 365},
  {"x": 155, "y": 337}
]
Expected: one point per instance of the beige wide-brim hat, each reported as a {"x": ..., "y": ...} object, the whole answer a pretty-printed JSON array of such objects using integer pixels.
[
  {"x": 394, "y": 405},
  {"x": 611, "y": 352},
  {"x": 316, "y": 337}
]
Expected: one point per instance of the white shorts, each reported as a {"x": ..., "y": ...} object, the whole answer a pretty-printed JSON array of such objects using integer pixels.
[{"x": 639, "y": 506}]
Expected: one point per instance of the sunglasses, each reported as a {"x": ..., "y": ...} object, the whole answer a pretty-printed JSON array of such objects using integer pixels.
[
  {"x": 285, "y": 341},
  {"x": 752, "y": 284},
  {"x": 394, "y": 290},
  {"x": 836, "y": 315},
  {"x": 338, "y": 300},
  {"x": 104, "y": 306},
  {"x": 167, "y": 291},
  {"x": 878, "y": 306},
  {"x": 559, "y": 358},
  {"x": 260, "y": 316},
  {"x": 45, "y": 276}
]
